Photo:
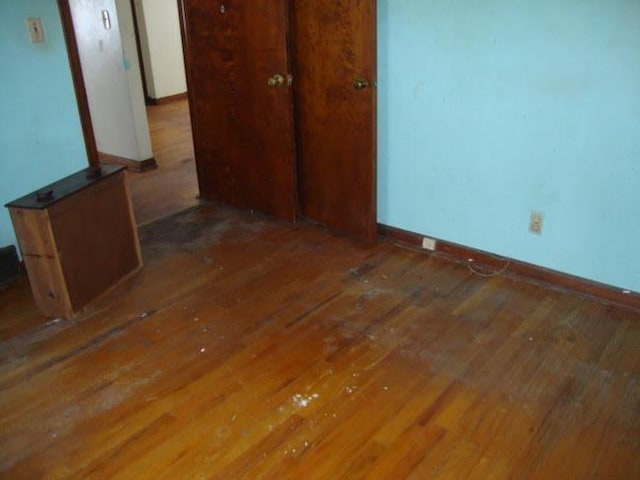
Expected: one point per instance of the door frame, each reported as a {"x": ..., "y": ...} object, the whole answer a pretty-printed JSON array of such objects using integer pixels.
[
  {"x": 143, "y": 74},
  {"x": 79, "y": 85},
  {"x": 78, "y": 82}
]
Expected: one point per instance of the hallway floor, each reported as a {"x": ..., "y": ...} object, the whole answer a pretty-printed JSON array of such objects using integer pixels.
[{"x": 173, "y": 186}]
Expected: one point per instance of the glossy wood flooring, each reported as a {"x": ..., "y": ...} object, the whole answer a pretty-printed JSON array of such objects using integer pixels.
[
  {"x": 173, "y": 186},
  {"x": 250, "y": 348}
]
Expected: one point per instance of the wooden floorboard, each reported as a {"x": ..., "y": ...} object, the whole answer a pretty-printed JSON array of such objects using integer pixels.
[{"x": 251, "y": 348}]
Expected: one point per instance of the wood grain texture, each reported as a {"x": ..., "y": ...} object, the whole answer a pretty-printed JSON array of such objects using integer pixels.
[
  {"x": 79, "y": 246},
  {"x": 251, "y": 348},
  {"x": 333, "y": 44},
  {"x": 242, "y": 128},
  {"x": 132, "y": 165},
  {"x": 42, "y": 261},
  {"x": 96, "y": 238}
]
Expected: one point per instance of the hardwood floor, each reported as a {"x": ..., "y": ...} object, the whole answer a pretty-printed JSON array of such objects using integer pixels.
[
  {"x": 250, "y": 348},
  {"x": 173, "y": 186}
]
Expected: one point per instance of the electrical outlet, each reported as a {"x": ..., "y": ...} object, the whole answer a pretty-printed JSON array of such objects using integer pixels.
[
  {"x": 429, "y": 243},
  {"x": 535, "y": 223}
]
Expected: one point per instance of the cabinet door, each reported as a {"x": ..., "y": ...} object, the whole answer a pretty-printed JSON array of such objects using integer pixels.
[
  {"x": 241, "y": 102},
  {"x": 334, "y": 58}
]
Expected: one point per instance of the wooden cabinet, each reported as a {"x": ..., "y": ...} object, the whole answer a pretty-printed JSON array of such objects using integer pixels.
[{"x": 77, "y": 237}]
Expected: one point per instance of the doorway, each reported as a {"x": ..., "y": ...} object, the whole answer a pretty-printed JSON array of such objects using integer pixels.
[
  {"x": 103, "y": 53},
  {"x": 173, "y": 186}
]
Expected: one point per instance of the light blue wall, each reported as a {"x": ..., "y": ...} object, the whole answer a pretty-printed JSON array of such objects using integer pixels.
[
  {"x": 40, "y": 133},
  {"x": 487, "y": 111},
  {"x": 491, "y": 109}
]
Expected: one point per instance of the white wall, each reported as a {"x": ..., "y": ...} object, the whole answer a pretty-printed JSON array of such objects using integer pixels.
[
  {"x": 161, "y": 45},
  {"x": 112, "y": 78}
]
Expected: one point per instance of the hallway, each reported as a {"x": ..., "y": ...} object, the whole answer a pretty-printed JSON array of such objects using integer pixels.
[{"x": 173, "y": 186}]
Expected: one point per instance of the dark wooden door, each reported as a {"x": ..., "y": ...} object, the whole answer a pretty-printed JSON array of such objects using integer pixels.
[
  {"x": 334, "y": 58},
  {"x": 241, "y": 102}
]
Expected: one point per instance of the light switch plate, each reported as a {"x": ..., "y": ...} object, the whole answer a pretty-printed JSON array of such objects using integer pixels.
[{"x": 34, "y": 25}]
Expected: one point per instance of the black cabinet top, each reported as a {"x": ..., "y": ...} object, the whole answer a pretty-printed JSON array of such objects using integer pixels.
[{"x": 47, "y": 196}]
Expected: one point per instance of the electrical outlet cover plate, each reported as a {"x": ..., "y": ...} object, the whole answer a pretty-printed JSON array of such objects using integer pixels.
[
  {"x": 429, "y": 243},
  {"x": 535, "y": 223},
  {"x": 34, "y": 25}
]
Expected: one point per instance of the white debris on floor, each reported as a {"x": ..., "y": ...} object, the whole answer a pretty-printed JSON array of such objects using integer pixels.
[{"x": 302, "y": 401}]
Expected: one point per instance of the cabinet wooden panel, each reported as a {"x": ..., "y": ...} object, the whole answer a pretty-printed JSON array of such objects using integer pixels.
[{"x": 77, "y": 237}]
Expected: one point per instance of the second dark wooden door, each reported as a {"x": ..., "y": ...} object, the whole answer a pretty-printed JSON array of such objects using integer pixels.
[
  {"x": 334, "y": 58},
  {"x": 241, "y": 102}
]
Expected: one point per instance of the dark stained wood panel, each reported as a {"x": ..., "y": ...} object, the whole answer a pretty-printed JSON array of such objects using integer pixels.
[
  {"x": 78, "y": 238},
  {"x": 96, "y": 238},
  {"x": 243, "y": 128},
  {"x": 333, "y": 45}
]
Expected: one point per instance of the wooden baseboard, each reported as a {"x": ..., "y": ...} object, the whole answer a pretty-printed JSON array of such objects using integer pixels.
[
  {"x": 527, "y": 271},
  {"x": 163, "y": 100},
  {"x": 10, "y": 267},
  {"x": 132, "y": 165}
]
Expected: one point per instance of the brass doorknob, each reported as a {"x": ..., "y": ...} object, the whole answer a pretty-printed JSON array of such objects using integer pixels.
[
  {"x": 360, "y": 84},
  {"x": 276, "y": 81}
]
